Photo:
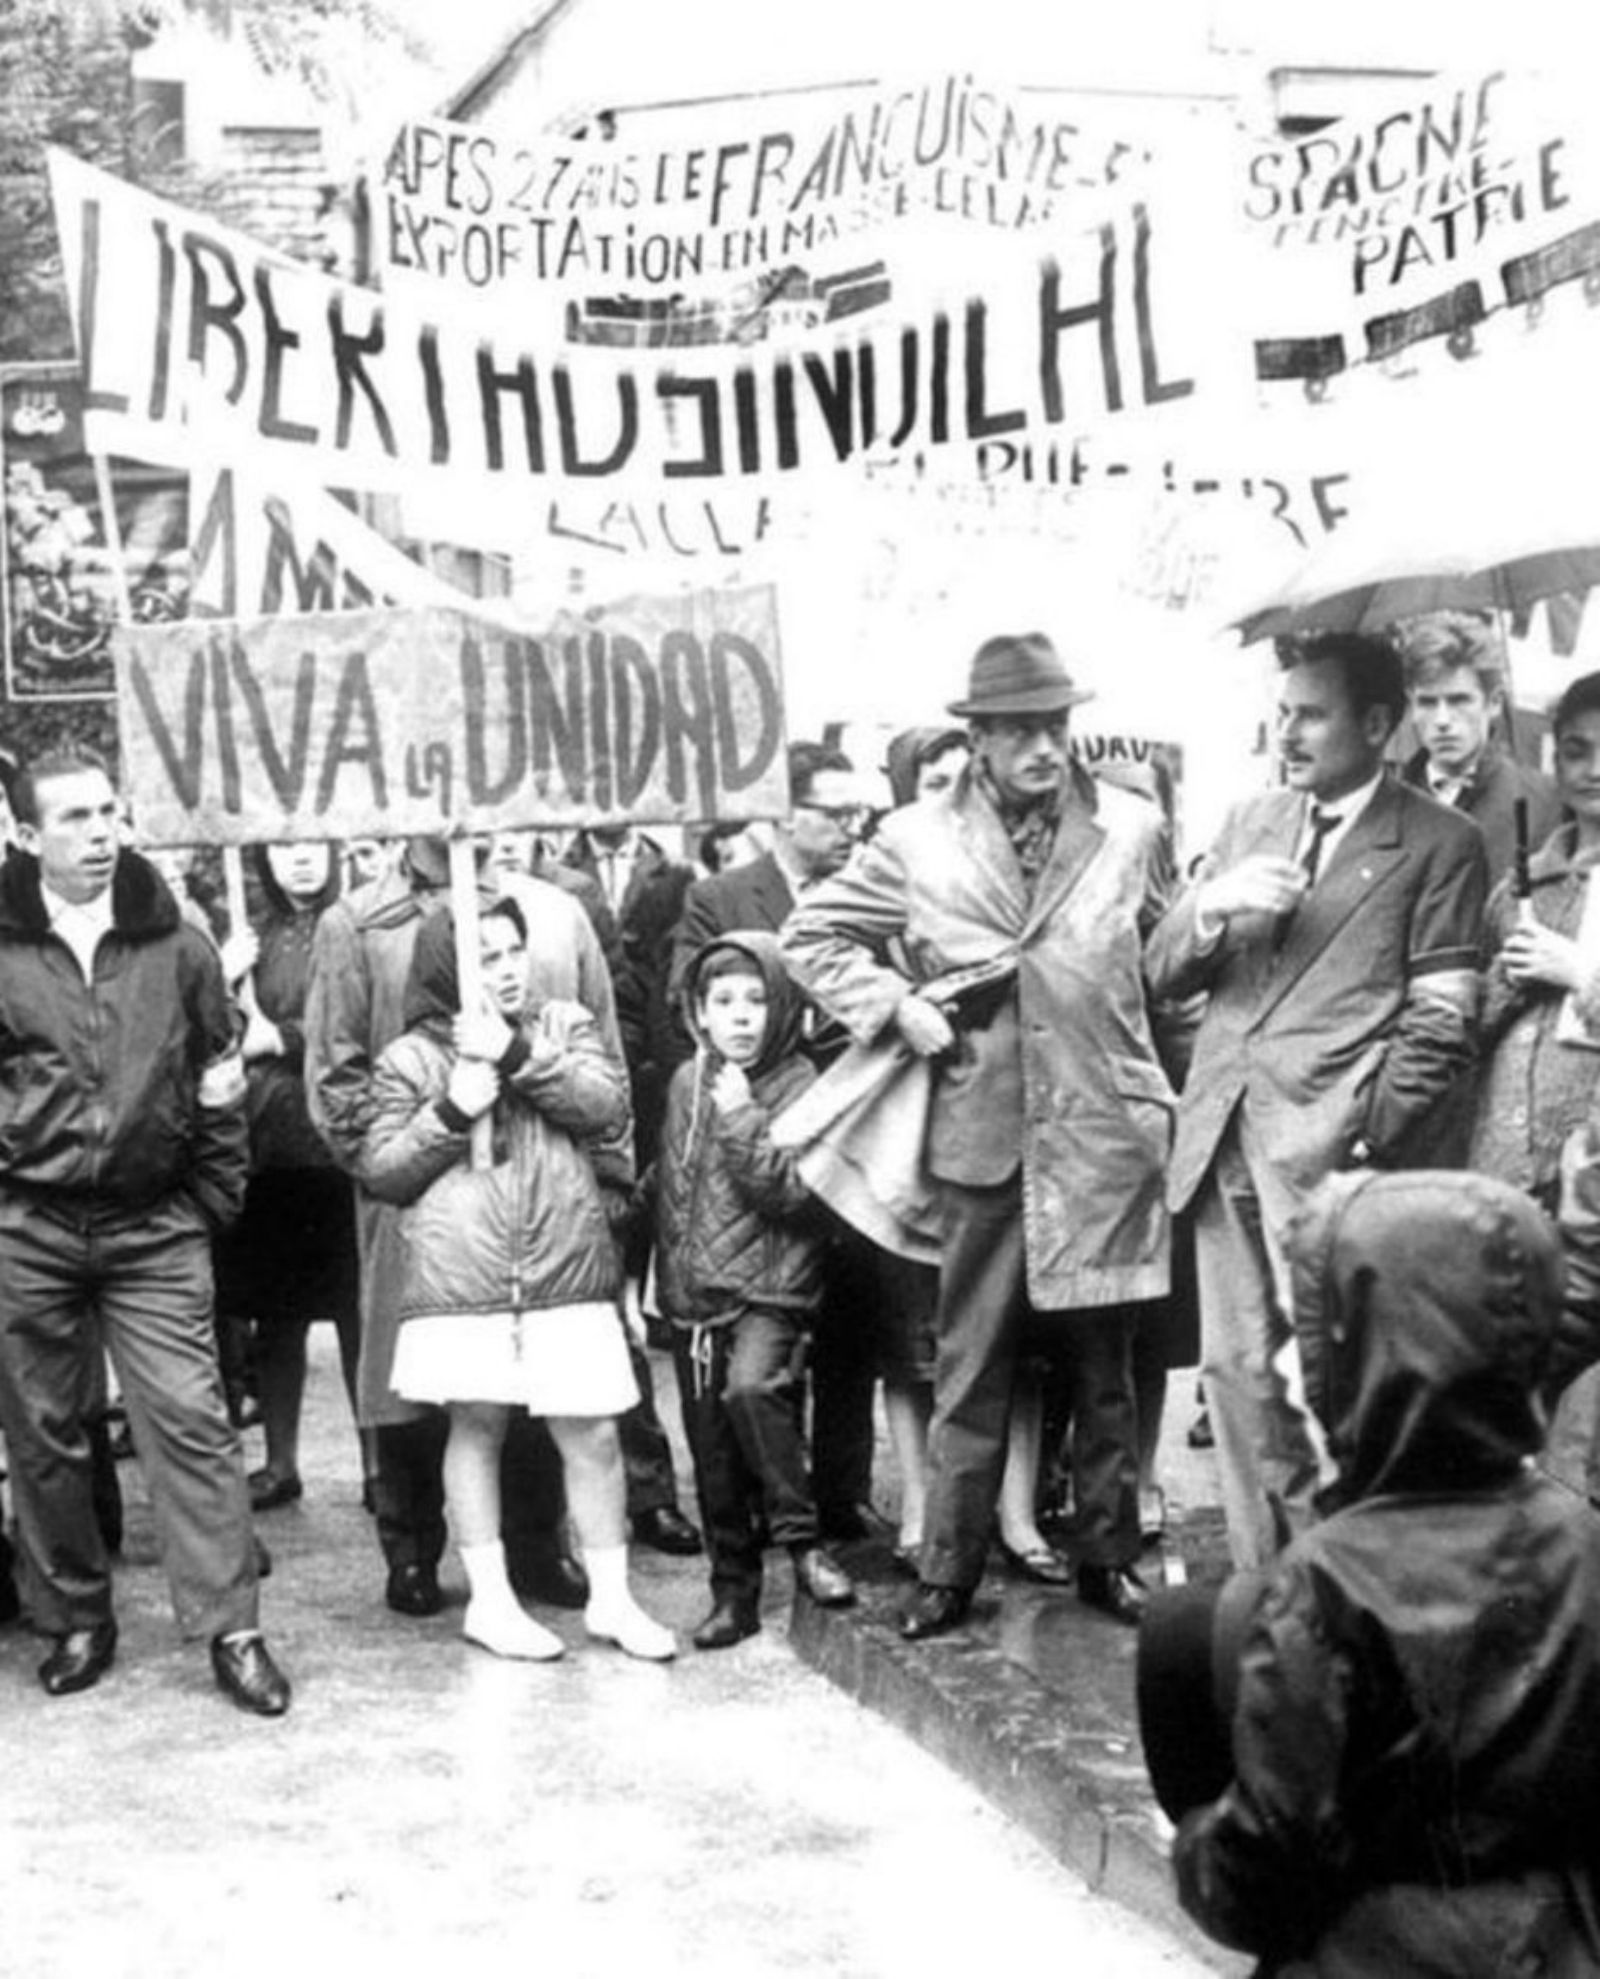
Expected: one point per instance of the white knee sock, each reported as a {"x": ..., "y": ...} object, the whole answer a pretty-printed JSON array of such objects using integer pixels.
[
  {"x": 495, "y": 1619},
  {"x": 614, "y": 1616}
]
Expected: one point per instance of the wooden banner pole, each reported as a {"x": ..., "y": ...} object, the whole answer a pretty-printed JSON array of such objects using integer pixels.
[{"x": 469, "y": 966}]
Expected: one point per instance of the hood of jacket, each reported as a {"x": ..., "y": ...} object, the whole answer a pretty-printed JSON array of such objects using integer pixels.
[
  {"x": 433, "y": 987},
  {"x": 785, "y": 1004},
  {"x": 142, "y": 904},
  {"x": 1426, "y": 1308},
  {"x": 281, "y": 904}
]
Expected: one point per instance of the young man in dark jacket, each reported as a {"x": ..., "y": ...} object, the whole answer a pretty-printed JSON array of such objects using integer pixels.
[
  {"x": 739, "y": 1261},
  {"x": 122, "y": 1150},
  {"x": 1416, "y": 1738}
]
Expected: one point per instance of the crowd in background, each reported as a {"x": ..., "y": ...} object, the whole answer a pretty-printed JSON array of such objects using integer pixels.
[{"x": 507, "y": 1199}]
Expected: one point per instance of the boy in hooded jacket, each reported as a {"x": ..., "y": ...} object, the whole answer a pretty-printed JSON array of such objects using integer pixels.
[
  {"x": 1416, "y": 1736},
  {"x": 739, "y": 1251}
]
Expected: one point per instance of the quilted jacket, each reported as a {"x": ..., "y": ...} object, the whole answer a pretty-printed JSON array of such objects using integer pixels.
[
  {"x": 530, "y": 1231},
  {"x": 735, "y": 1226}
]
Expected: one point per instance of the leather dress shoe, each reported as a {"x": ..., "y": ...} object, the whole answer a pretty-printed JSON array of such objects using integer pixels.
[
  {"x": 822, "y": 1578},
  {"x": 665, "y": 1530},
  {"x": 245, "y": 1672},
  {"x": 268, "y": 1491},
  {"x": 414, "y": 1590},
  {"x": 549, "y": 1575},
  {"x": 934, "y": 1611},
  {"x": 1115, "y": 1591},
  {"x": 729, "y": 1622},
  {"x": 79, "y": 1660},
  {"x": 1041, "y": 1563}
]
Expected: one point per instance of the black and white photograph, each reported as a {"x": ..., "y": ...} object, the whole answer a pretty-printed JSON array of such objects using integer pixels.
[{"x": 889, "y": 715}]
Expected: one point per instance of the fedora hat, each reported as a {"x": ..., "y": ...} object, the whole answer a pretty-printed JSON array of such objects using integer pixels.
[{"x": 1019, "y": 674}]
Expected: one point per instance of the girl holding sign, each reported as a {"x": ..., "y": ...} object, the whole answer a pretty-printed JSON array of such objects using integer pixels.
[{"x": 511, "y": 1273}]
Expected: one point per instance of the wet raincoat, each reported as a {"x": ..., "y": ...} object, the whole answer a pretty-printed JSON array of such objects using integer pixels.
[
  {"x": 1061, "y": 1078},
  {"x": 1417, "y": 1737}
]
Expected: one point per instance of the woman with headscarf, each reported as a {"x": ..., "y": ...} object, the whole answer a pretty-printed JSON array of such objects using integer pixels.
[{"x": 510, "y": 1273}]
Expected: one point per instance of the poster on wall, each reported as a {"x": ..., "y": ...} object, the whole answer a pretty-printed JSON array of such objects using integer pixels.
[{"x": 59, "y": 594}]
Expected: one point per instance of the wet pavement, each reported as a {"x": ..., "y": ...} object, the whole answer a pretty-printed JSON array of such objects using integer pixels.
[
  {"x": 425, "y": 1805},
  {"x": 1032, "y": 1699}
]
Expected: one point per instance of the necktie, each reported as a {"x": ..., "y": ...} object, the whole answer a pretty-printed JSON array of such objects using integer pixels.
[{"x": 1322, "y": 822}]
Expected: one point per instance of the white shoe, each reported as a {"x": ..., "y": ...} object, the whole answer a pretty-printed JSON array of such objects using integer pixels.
[
  {"x": 510, "y": 1631},
  {"x": 633, "y": 1632}
]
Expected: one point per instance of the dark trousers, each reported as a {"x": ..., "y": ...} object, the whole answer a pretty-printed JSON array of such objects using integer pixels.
[
  {"x": 742, "y": 1390},
  {"x": 646, "y": 1450},
  {"x": 74, "y": 1281},
  {"x": 409, "y": 1490},
  {"x": 843, "y": 1371},
  {"x": 1091, "y": 1368},
  {"x": 982, "y": 1304}
]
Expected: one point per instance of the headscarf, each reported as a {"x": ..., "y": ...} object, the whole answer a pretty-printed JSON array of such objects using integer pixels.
[{"x": 433, "y": 988}]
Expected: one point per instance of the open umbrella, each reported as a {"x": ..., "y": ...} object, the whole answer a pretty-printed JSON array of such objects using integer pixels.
[{"x": 1353, "y": 584}]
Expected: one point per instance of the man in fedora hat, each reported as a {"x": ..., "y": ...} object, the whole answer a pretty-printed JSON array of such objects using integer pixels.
[{"x": 1050, "y": 1116}]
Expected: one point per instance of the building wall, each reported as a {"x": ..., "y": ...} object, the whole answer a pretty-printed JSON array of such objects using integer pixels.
[{"x": 65, "y": 80}]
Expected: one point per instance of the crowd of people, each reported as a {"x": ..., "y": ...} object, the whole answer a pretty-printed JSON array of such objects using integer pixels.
[{"x": 510, "y": 1158}]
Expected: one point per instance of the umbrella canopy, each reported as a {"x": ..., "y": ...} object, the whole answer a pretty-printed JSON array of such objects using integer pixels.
[{"x": 1352, "y": 585}]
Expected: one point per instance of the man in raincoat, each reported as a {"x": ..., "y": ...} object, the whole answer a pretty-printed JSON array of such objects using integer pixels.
[{"x": 1050, "y": 1117}]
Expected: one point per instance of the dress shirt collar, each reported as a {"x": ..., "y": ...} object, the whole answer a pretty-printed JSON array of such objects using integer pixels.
[{"x": 1347, "y": 809}]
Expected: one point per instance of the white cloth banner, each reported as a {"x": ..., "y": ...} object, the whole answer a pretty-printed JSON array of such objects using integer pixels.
[
  {"x": 237, "y": 356},
  {"x": 709, "y": 201},
  {"x": 1420, "y": 222}
]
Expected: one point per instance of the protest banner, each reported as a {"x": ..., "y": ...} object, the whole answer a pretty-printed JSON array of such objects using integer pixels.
[
  {"x": 651, "y": 224},
  {"x": 1420, "y": 222},
  {"x": 238, "y": 356},
  {"x": 258, "y": 551},
  {"x": 393, "y": 722}
]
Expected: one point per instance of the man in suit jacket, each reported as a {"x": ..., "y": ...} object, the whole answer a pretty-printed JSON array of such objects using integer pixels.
[
  {"x": 814, "y": 841},
  {"x": 1335, "y": 927},
  {"x": 818, "y": 836},
  {"x": 643, "y": 890}
]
